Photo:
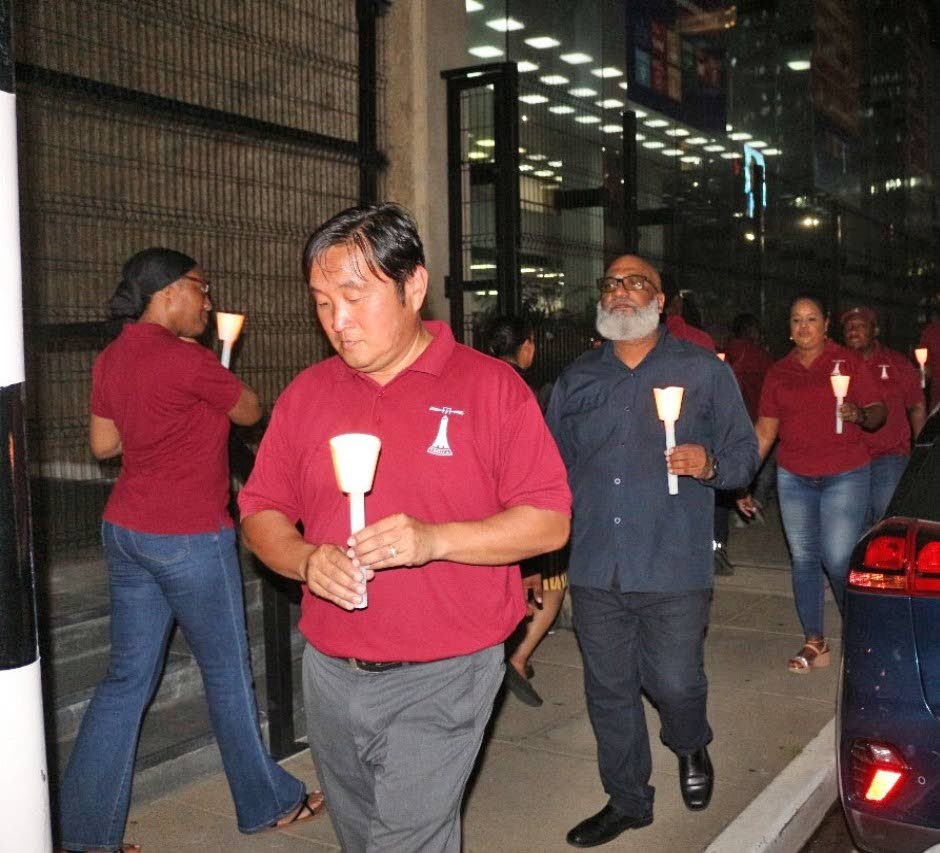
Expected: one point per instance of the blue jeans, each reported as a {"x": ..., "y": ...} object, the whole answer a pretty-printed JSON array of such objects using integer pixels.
[
  {"x": 823, "y": 518},
  {"x": 155, "y": 579},
  {"x": 633, "y": 642},
  {"x": 886, "y": 472}
]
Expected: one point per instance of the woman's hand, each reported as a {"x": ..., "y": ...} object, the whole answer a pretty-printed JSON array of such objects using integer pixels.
[{"x": 747, "y": 506}]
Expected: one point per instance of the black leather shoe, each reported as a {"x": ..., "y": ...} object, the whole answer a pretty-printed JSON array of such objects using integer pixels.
[
  {"x": 520, "y": 688},
  {"x": 696, "y": 779},
  {"x": 605, "y": 826}
]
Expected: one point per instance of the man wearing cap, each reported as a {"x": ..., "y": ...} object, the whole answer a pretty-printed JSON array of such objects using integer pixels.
[
  {"x": 931, "y": 339},
  {"x": 641, "y": 559},
  {"x": 899, "y": 380}
]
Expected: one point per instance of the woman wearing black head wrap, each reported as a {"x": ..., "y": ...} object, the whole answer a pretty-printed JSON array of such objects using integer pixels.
[
  {"x": 166, "y": 404},
  {"x": 512, "y": 339}
]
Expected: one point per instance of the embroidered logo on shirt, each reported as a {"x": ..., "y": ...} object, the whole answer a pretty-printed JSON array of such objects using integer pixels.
[
  {"x": 884, "y": 371},
  {"x": 440, "y": 447}
]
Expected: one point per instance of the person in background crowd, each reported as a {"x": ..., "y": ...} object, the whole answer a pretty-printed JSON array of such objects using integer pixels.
[
  {"x": 931, "y": 339},
  {"x": 750, "y": 361},
  {"x": 641, "y": 559},
  {"x": 165, "y": 404},
  {"x": 512, "y": 339},
  {"x": 823, "y": 477},
  {"x": 899, "y": 384},
  {"x": 674, "y": 313},
  {"x": 469, "y": 482}
]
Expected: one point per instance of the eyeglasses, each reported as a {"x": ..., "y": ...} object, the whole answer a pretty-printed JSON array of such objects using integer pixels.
[
  {"x": 204, "y": 286},
  {"x": 635, "y": 282}
]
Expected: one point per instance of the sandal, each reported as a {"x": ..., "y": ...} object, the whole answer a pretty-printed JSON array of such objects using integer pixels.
[
  {"x": 813, "y": 655},
  {"x": 310, "y": 807}
]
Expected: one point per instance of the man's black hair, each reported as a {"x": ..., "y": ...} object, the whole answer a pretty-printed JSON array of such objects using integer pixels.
[{"x": 386, "y": 235}]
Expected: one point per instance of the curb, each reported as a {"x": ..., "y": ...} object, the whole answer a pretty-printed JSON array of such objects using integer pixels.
[{"x": 787, "y": 812}]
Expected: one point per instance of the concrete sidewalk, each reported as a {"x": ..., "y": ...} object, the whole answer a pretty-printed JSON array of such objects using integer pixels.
[{"x": 537, "y": 773}]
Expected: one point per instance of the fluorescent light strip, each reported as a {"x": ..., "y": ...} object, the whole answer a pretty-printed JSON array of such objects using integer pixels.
[
  {"x": 505, "y": 25},
  {"x": 533, "y": 99},
  {"x": 582, "y": 92},
  {"x": 587, "y": 119},
  {"x": 485, "y": 51},
  {"x": 561, "y": 110},
  {"x": 524, "y": 66},
  {"x": 606, "y": 72},
  {"x": 542, "y": 42},
  {"x": 576, "y": 58},
  {"x": 554, "y": 80}
]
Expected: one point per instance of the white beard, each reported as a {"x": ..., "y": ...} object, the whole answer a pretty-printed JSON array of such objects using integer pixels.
[{"x": 617, "y": 326}]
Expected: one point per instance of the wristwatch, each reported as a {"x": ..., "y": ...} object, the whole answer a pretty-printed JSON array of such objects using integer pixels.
[{"x": 712, "y": 462}]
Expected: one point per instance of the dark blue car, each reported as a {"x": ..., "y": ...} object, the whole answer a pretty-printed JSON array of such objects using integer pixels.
[{"x": 889, "y": 699}]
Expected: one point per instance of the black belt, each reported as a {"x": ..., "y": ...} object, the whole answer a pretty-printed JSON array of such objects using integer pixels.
[{"x": 375, "y": 665}]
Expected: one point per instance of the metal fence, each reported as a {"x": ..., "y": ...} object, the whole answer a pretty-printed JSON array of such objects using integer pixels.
[{"x": 227, "y": 130}]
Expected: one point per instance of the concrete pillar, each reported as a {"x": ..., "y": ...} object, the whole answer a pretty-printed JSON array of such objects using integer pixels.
[
  {"x": 422, "y": 38},
  {"x": 24, "y": 789}
]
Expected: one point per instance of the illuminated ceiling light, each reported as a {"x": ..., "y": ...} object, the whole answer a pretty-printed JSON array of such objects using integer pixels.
[
  {"x": 799, "y": 65},
  {"x": 554, "y": 80},
  {"x": 486, "y": 143},
  {"x": 607, "y": 71},
  {"x": 656, "y": 122},
  {"x": 771, "y": 152},
  {"x": 538, "y": 158},
  {"x": 474, "y": 74},
  {"x": 483, "y": 266},
  {"x": 542, "y": 42},
  {"x": 527, "y": 270},
  {"x": 611, "y": 128},
  {"x": 610, "y": 104},
  {"x": 750, "y": 236},
  {"x": 654, "y": 143},
  {"x": 526, "y": 167},
  {"x": 559, "y": 178},
  {"x": 677, "y": 131},
  {"x": 544, "y": 173},
  {"x": 757, "y": 143},
  {"x": 587, "y": 119},
  {"x": 533, "y": 99},
  {"x": 576, "y": 58},
  {"x": 640, "y": 137},
  {"x": 522, "y": 150},
  {"x": 731, "y": 155},
  {"x": 740, "y": 135},
  {"x": 582, "y": 92},
  {"x": 555, "y": 164},
  {"x": 477, "y": 155},
  {"x": 809, "y": 222},
  {"x": 714, "y": 148},
  {"x": 623, "y": 84},
  {"x": 689, "y": 158},
  {"x": 485, "y": 51},
  {"x": 696, "y": 140},
  {"x": 474, "y": 6},
  {"x": 672, "y": 152},
  {"x": 505, "y": 25},
  {"x": 561, "y": 109},
  {"x": 525, "y": 66},
  {"x": 639, "y": 113}
]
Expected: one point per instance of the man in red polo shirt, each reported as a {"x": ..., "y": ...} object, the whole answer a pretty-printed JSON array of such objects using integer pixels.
[
  {"x": 899, "y": 380},
  {"x": 931, "y": 339},
  {"x": 675, "y": 321},
  {"x": 469, "y": 481}
]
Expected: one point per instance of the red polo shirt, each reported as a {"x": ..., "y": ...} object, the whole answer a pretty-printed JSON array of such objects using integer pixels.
[
  {"x": 462, "y": 438},
  {"x": 169, "y": 400},
  {"x": 931, "y": 339},
  {"x": 898, "y": 381},
  {"x": 750, "y": 364},
  {"x": 679, "y": 328},
  {"x": 801, "y": 399}
]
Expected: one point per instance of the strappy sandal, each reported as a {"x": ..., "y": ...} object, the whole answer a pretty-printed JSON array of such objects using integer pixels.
[
  {"x": 814, "y": 655},
  {"x": 310, "y": 807}
]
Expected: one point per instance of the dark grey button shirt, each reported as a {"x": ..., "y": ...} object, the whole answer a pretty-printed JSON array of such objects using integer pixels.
[{"x": 628, "y": 532}]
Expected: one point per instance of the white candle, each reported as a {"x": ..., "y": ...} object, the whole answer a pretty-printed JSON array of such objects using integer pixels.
[
  {"x": 230, "y": 327},
  {"x": 721, "y": 355},
  {"x": 921, "y": 355},
  {"x": 668, "y": 404},
  {"x": 840, "y": 387},
  {"x": 355, "y": 456}
]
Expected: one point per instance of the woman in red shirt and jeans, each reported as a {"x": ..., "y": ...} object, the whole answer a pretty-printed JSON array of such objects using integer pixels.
[
  {"x": 823, "y": 476},
  {"x": 166, "y": 403}
]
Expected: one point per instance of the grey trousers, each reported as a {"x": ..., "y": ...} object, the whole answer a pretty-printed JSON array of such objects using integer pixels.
[{"x": 393, "y": 750}]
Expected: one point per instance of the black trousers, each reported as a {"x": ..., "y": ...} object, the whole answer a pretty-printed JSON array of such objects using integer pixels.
[{"x": 633, "y": 642}]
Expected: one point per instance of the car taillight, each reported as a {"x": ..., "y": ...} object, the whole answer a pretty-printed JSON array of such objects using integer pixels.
[
  {"x": 877, "y": 769},
  {"x": 900, "y": 556}
]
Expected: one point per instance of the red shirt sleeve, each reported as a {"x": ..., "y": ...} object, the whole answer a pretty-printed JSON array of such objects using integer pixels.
[
  {"x": 911, "y": 392},
  {"x": 98, "y": 404},
  {"x": 211, "y": 382}
]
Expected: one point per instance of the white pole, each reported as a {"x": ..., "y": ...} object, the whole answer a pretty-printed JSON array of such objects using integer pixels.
[
  {"x": 673, "y": 479},
  {"x": 357, "y": 520},
  {"x": 839, "y": 402}
]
